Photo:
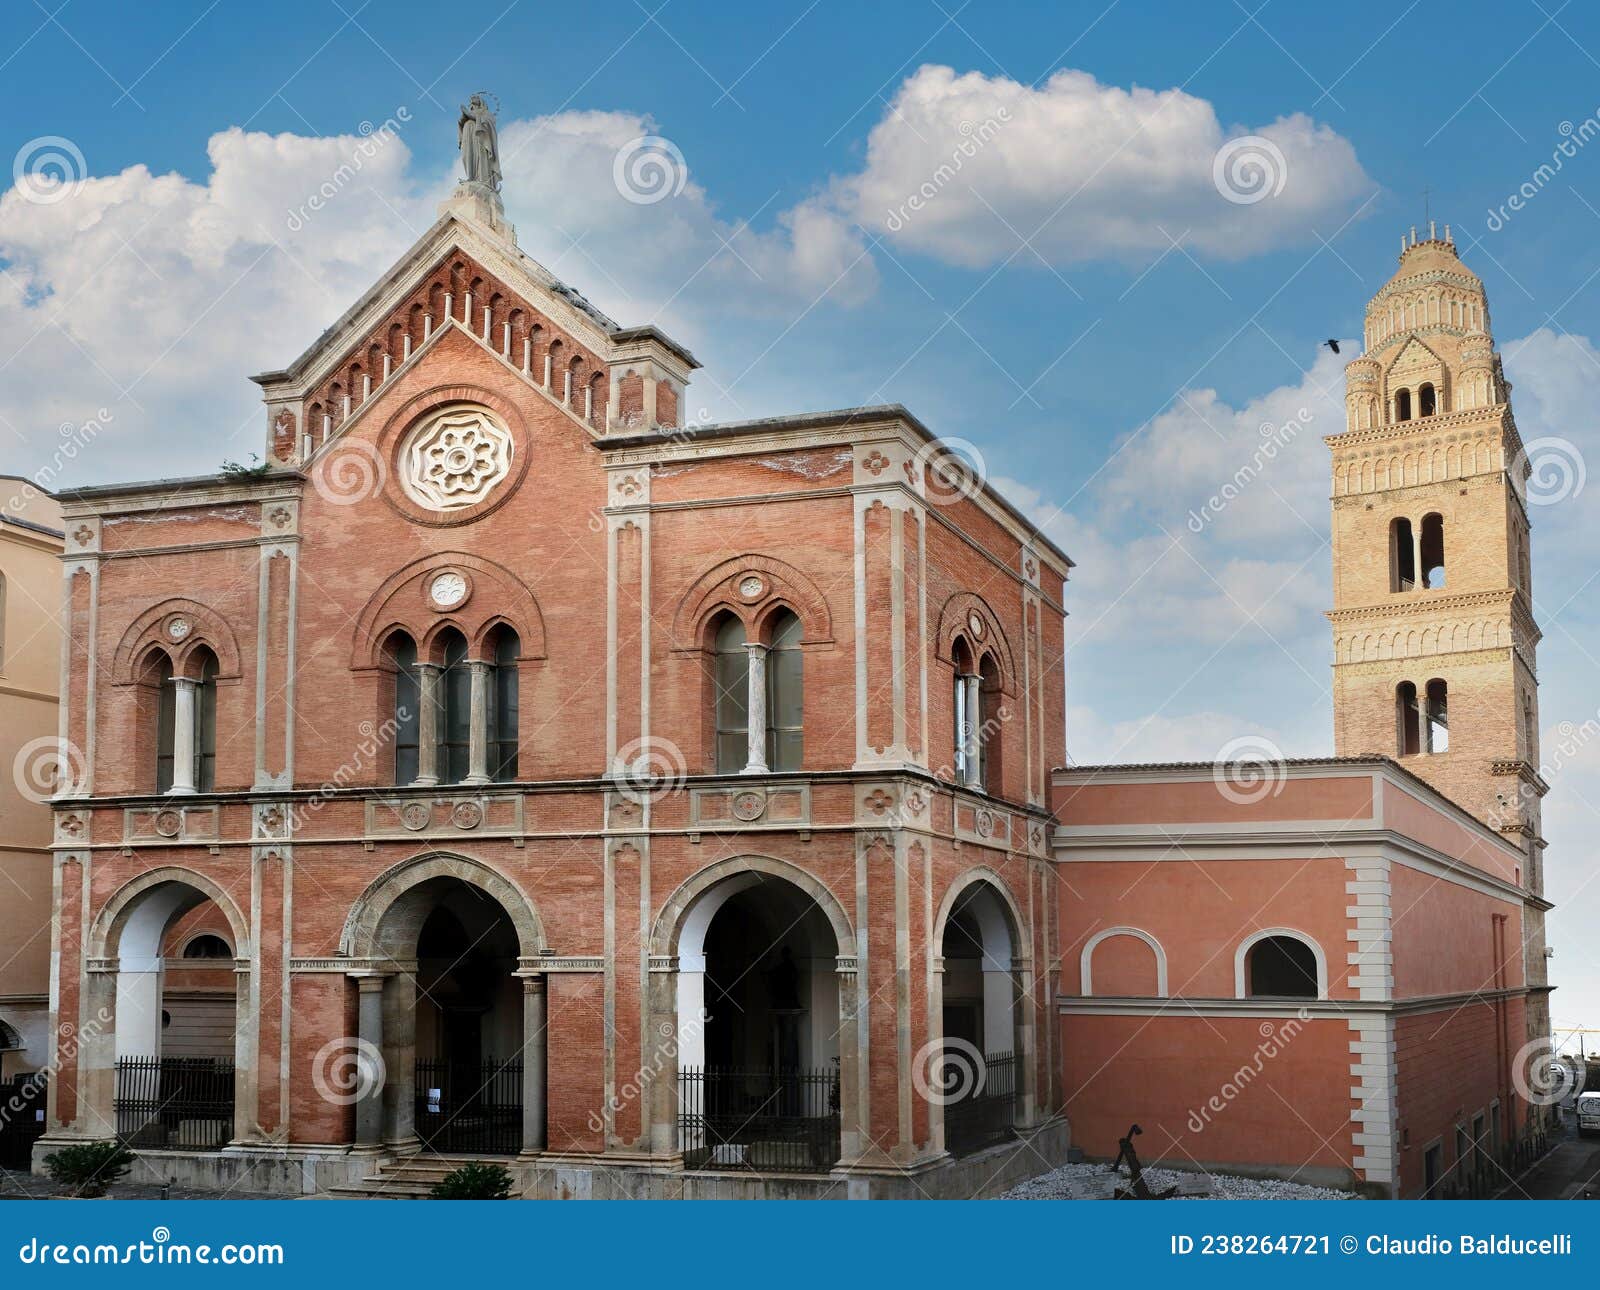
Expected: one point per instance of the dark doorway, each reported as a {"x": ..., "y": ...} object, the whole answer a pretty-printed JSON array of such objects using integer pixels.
[{"x": 469, "y": 1032}]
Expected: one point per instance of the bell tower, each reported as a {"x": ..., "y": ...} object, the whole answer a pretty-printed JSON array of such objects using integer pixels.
[{"x": 1433, "y": 627}]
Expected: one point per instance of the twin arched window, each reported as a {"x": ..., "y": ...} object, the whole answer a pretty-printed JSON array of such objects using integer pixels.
[
  {"x": 975, "y": 703},
  {"x": 1416, "y": 554},
  {"x": 757, "y": 699},
  {"x": 186, "y": 723},
  {"x": 1422, "y": 720},
  {"x": 455, "y": 719}
]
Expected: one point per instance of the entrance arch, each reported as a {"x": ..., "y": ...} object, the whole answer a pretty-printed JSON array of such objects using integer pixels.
[
  {"x": 762, "y": 1011},
  {"x": 449, "y": 996},
  {"x": 982, "y": 1082},
  {"x": 199, "y": 1094}
]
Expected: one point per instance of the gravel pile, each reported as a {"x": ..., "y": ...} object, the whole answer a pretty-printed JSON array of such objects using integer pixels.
[{"x": 1097, "y": 1182}]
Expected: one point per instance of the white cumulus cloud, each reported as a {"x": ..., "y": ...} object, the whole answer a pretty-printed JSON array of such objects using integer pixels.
[{"x": 968, "y": 168}]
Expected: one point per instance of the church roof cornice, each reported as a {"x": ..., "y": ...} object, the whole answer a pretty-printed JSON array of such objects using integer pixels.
[
  {"x": 1466, "y": 280},
  {"x": 1496, "y": 419},
  {"x": 454, "y": 231},
  {"x": 1408, "y": 604}
]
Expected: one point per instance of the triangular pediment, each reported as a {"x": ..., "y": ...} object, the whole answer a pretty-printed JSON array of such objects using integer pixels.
[
  {"x": 465, "y": 276},
  {"x": 452, "y": 238},
  {"x": 1414, "y": 356}
]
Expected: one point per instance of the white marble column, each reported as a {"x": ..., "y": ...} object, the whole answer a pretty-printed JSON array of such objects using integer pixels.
[
  {"x": 971, "y": 717},
  {"x": 1416, "y": 557},
  {"x": 478, "y": 737},
  {"x": 534, "y": 1015},
  {"x": 756, "y": 710},
  {"x": 427, "y": 723},
  {"x": 185, "y": 690}
]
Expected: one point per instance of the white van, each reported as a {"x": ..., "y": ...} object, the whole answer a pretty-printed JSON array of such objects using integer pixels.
[{"x": 1588, "y": 1113}]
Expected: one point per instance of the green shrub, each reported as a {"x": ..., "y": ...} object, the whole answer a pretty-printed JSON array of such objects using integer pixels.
[
  {"x": 89, "y": 1167},
  {"x": 474, "y": 1182}
]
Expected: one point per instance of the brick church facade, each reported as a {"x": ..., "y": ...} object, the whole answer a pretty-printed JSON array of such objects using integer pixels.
[{"x": 676, "y": 811}]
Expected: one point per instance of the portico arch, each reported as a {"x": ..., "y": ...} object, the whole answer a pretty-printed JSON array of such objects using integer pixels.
[
  {"x": 753, "y": 983},
  {"x": 124, "y": 983},
  {"x": 383, "y": 920},
  {"x": 438, "y": 944},
  {"x": 980, "y": 1001}
]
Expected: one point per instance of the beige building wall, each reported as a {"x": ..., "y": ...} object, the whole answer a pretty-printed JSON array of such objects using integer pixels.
[{"x": 30, "y": 678}]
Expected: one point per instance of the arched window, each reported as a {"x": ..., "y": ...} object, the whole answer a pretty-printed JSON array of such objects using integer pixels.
[
  {"x": 1402, "y": 555},
  {"x": 785, "y": 694},
  {"x": 502, "y": 738},
  {"x": 166, "y": 708},
  {"x": 1408, "y": 725},
  {"x": 186, "y": 725},
  {"x": 731, "y": 695},
  {"x": 1402, "y": 405},
  {"x": 1437, "y": 732},
  {"x": 1281, "y": 967},
  {"x": 1427, "y": 403},
  {"x": 407, "y": 708},
  {"x": 989, "y": 742},
  {"x": 967, "y": 706},
  {"x": 455, "y": 709},
  {"x": 207, "y": 946},
  {"x": 1432, "y": 547},
  {"x": 205, "y": 724}
]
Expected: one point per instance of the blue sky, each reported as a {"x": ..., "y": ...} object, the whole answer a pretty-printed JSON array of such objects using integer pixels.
[{"x": 1081, "y": 304}]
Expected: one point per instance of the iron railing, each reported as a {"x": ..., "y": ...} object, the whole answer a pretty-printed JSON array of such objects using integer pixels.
[
  {"x": 474, "y": 1108},
  {"x": 22, "y": 1119},
  {"x": 784, "y": 1121},
  {"x": 984, "y": 1113},
  {"x": 183, "y": 1102}
]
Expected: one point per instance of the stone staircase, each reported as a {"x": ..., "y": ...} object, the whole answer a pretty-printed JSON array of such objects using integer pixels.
[{"x": 409, "y": 1177}]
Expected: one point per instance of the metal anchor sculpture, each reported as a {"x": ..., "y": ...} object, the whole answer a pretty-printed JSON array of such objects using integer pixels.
[{"x": 1137, "y": 1188}]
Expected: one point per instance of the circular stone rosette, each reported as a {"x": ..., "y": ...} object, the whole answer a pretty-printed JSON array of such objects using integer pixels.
[{"x": 455, "y": 458}]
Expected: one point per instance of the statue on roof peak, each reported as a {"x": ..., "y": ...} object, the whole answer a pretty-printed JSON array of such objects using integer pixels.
[{"x": 480, "y": 144}]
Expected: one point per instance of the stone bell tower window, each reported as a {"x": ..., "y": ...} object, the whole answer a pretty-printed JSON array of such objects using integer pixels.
[{"x": 1407, "y": 720}]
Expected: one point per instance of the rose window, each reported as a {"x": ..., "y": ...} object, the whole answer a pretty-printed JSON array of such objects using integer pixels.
[{"x": 455, "y": 458}]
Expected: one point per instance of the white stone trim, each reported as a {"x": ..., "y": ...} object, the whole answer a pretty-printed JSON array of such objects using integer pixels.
[
  {"x": 1085, "y": 960},
  {"x": 1239, "y": 984},
  {"x": 1369, "y": 929},
  {"x": 1373, "y": 1079}
]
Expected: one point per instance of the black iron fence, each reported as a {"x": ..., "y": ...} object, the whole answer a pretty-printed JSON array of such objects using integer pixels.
[
  {"x": 473, "y": 1108},
  {"x": 22, "y": 1120},
  {"x": 986, "y": 1109},
  {"x": 783, "y": 1121},
  {"x": 182, "y": 1102}
]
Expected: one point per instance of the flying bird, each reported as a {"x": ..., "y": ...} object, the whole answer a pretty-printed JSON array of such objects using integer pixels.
[{"x": 1332, "y": 344}]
